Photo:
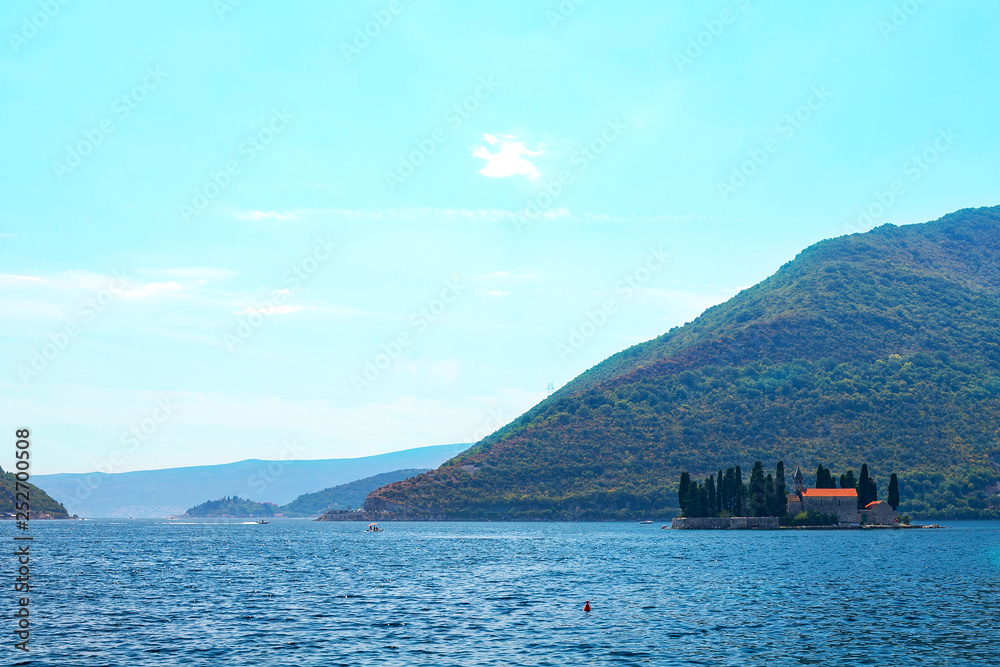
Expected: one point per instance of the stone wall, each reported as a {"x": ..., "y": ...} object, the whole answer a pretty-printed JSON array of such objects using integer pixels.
[
  {"x": 733, "y": 523},
  {"x": 845, "y": 507},
  {"x": 880, "y": 514}
]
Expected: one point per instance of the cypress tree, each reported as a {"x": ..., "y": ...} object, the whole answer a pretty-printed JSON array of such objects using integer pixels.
[
  {"x": 770, "y": 496},
  {"x": 729, "y": 499},
  {"x": 702, "y": 501},
  {"x": 847, "y": 480},
  {"x": 695, "y": 500},
  {"x": 757, "y": 503},
  {"x": 893, "y": 498},
  {"x": 739, "y": 494},
  {"x": 825, "y": 479},
  {"x": 864, "y": 487},
  {"x": 683, "y": 492},
  {"x": 780, "y": 491},
  {"x": 718, "y": 495},
  {"x": 712, "y": 497}
]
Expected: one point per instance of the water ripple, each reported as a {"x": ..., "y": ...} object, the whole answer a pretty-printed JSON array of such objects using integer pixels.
[{"x": 294, "y": 592}]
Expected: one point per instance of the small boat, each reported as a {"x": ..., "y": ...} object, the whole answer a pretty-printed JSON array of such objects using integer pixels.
[
  {"x": 261, "y": 522},
  {"x": 643, "y": 523},
  {"x": 373, "y": 528}
]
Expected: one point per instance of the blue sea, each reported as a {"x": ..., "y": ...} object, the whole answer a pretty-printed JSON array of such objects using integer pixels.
[{"x": 298, "y": 592}]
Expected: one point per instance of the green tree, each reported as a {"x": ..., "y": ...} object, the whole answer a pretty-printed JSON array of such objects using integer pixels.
[
  {"x": 893, "y": 498},
  {"x": 824, "y": 478},
  {"x": 718, "y": 494},
  {"x": 847, "y": 480},
  {"x": 729, "y": 496},
  {"x": 712, "y": 497},
  {"x": 702, "y": 501},
  {"x": 770, "y": 497},
  {"x": 696, "y": 500},
  {"x": 739, "y": 494},
  {"x": 867, "y": 491},
  {"x": 780, "y": 490},
  {"x": 683, "y": 492},
  {"x": 757, "y": 502}
]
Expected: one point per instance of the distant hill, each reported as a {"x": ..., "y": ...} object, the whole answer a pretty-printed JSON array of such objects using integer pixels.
[
  {"x": 42, "y": 505},
  {"x": 232, "y": 506},
  {"x": 351, "y": 495},
  {"x": 346, "y": 496},
  {"x": 881, "y": 347},
  {"x": 151, "y": 493}
]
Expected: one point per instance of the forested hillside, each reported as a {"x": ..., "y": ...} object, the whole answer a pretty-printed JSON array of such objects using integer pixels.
[
  {"x": 879, "y": 347},
  {"x": 42, "y": 505}
]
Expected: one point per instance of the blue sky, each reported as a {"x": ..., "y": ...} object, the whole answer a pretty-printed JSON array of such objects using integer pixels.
[{"x": 232, "y": 226}]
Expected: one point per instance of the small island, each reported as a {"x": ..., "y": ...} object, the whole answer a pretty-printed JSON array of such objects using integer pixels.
[{"x": 724, "y": 501}]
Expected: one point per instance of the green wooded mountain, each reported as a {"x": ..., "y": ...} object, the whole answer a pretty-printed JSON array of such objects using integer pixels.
[
  {"x": 879, "y": 348},
  {"x": 42, "y": 505}
]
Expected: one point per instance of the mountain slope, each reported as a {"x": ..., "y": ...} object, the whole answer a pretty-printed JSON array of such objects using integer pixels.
[
  {"x": 880, "y": 347},
  {"x": 345, "y": 496},
  {"x": 151, "y": 493},
  {"x": 41, "y": 504}
]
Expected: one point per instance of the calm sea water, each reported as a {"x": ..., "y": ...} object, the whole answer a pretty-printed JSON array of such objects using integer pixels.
[{"x": 304, "y": 593}]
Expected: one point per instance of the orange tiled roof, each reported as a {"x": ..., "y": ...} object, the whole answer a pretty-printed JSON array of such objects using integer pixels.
[
  {"x": 830, "y": 493},
  {"x": 875, "y": 502}
]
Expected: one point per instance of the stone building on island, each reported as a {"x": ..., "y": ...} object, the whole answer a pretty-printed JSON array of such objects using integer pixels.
[
  {"x": 843, "y": 503},
  {"x": 878, "y": 513}
]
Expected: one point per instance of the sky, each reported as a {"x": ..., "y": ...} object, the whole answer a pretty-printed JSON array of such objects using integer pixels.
[{"x": 237, "y": 229}]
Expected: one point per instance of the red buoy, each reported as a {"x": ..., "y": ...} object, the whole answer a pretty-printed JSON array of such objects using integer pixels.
[{"x": 586, "y": 605}]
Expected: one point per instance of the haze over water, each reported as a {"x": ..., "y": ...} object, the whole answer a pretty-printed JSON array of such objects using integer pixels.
[{"x": 112, "y": 592}]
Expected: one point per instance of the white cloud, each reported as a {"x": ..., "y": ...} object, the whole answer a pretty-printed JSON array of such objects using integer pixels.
[
  {"x": 151, "y": 288},
  {"x": 200, "y": 273},
  {"x": 265, "y": 215},
  {"x": 509, "y": 160},
  {"x": 273, "y": 310}
]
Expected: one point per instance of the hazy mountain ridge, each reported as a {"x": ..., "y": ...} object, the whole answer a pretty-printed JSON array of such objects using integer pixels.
[
  {"x": 151, "y": 493},
  {"x": 879, "y": 347},
  {"x": 343, "y": 496}
]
